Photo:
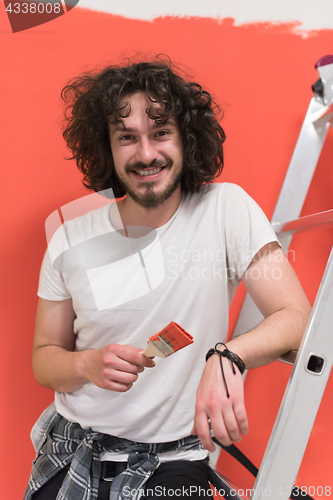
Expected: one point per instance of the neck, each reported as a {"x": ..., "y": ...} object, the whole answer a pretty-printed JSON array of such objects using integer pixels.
[{"x": 133, "y": 214}]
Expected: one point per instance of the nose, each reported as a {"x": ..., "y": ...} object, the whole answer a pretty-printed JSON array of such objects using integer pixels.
[{"x": 146, "y": 151}]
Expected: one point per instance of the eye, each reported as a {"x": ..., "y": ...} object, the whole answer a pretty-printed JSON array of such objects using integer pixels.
[
  {"x": 126, "y": 137},
  {"x": 162, "y": 133}
]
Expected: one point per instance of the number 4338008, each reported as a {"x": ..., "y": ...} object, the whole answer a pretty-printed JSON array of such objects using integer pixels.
[{"x": 34, "y": 8}]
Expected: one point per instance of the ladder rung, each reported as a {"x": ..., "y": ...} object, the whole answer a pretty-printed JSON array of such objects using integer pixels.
[
  {"x": 288, "y": 357},
  {"x": 323, "y": 116},
  {"x": 305, "y": 223}
]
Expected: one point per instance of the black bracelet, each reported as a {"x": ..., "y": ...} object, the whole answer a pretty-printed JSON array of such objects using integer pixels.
[
  {"x": 233, "y": 358},
  {"x": 227, "y": 354}
]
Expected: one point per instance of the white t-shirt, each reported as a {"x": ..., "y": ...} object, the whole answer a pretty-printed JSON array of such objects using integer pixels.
[{"x": 188, "y": 274}]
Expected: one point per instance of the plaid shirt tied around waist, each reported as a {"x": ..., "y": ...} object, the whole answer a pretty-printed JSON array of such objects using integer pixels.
[{"x": 59, "y": 442}]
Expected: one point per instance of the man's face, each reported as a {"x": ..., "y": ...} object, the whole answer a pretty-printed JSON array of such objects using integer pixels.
[{"x": 148, "y": 156}]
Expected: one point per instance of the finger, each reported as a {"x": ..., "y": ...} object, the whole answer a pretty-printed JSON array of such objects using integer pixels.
[
  {"x": 124, "y": 358},
  {"x": 147, "y": 362},
  {"x": 133, "y": 355},
  {"x": 201, "y": 425},
  {"x": 114, "y": 362},
  {"x": 118, "y": 387},
  {"x": 220, "y": 430},
  {"x": 130, "y": 367},
  {"x": 241, "y": 417},
  {"x": 123, "y": 377},
  {"x": 230, "y": 427}
]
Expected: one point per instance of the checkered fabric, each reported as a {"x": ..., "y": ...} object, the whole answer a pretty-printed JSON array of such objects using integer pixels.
[{"x": 59, "y": 442}]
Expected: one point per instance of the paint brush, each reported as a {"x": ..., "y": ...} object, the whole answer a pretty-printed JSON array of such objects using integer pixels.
[{"x": 169, "y": 340}]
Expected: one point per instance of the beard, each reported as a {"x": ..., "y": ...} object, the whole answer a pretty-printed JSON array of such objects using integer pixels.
[{"x": 149, "y": 198}]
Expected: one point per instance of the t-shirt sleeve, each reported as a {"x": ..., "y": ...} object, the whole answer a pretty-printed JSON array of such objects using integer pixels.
[
  {"x": 247, "y": 230},
  {"x": 51, "y": 283}
]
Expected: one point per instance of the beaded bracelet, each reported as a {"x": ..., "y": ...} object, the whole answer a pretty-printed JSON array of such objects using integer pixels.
[{"x": 233, "y": 358}]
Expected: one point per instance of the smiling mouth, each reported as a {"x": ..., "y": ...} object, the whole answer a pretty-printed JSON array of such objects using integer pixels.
[{"x": 151, "y": 171}]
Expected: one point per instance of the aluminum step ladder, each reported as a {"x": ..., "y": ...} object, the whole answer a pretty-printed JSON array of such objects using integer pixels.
[{"x": 313, "y": 362}]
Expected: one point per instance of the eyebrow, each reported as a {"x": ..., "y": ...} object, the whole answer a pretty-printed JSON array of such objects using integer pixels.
[{"x": 120, "y": 126}]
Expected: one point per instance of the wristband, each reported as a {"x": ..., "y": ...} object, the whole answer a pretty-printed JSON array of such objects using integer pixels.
[
  {"x": 233, "y": 358},
  {"x": 227, "y": 354}
]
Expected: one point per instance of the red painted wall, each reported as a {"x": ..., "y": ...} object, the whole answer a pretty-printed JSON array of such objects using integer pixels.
[{"x": 261, "y": 74}]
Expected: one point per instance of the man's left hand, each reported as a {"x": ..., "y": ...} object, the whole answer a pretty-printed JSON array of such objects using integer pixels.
[{"x": 226, "y": 416}]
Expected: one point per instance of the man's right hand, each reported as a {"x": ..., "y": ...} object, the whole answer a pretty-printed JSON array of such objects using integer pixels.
[
  {"x": 115, "y": 367},
  {"x": 57, "y": 365}
]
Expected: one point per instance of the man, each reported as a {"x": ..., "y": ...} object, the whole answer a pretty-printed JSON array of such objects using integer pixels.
[{"x": 144, "y": 131}]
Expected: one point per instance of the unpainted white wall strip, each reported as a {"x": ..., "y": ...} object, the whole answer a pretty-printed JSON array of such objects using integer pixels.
[{"x": 309, "y": 14}]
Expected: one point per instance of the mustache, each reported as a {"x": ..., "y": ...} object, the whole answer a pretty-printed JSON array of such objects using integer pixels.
[{"x": 140, "y": 165}]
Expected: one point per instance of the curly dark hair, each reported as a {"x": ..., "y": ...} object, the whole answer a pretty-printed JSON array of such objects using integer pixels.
[{"x": 95, "y": 99}]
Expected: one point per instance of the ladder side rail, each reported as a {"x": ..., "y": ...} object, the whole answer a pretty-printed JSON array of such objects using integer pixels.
[
  {"x": 289, "y": 205},
  {"x": 302, "y": 165},
  {"x": 310, "y": 222},
  {"x": 301, "y": 401}
]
